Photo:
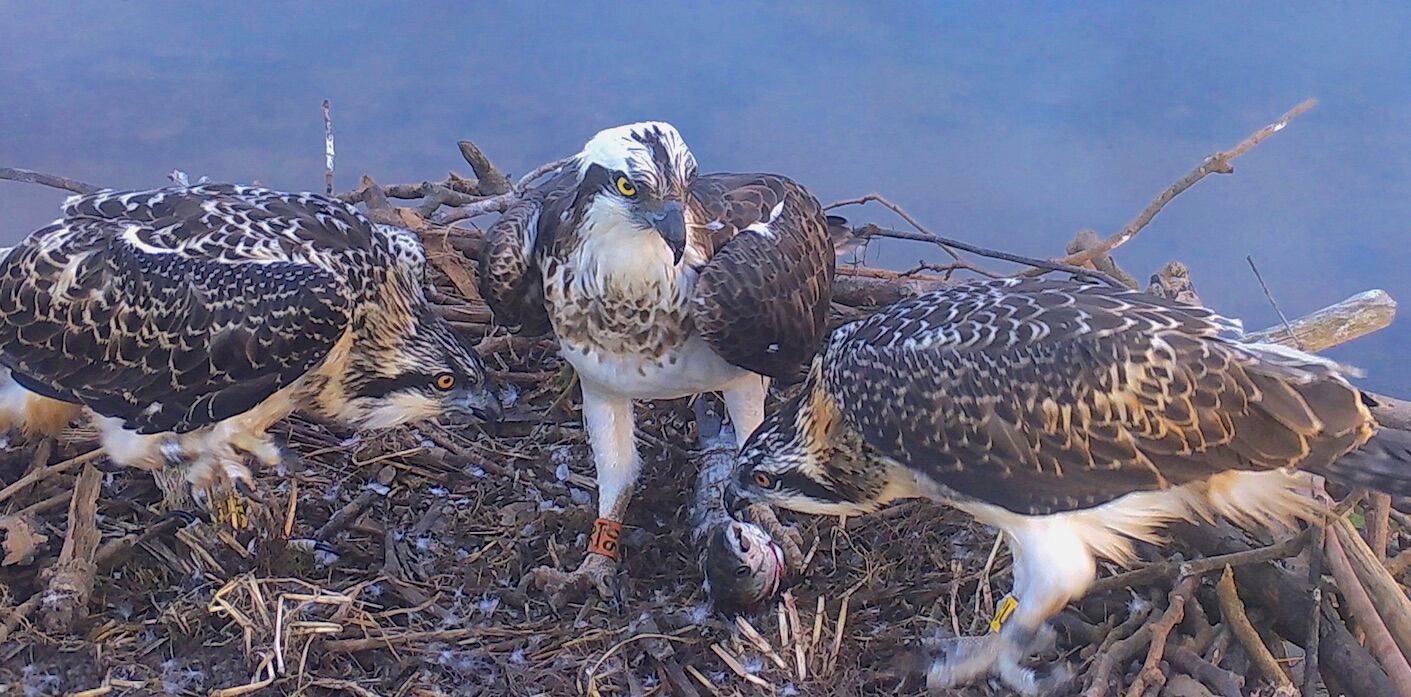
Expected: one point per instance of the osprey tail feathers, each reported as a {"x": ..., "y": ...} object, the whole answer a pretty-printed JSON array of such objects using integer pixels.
[
  {"x": 1383, "y": 464},
  {"x": 29, "y": 413}
]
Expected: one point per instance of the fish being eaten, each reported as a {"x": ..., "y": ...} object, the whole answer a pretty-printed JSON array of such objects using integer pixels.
[{"x": 744, "y": 565}]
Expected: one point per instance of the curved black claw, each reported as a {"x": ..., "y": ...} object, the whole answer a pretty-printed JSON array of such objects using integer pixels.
[
  {"x": 243, "y": 488},
  {"x": 186, "y": 518}
]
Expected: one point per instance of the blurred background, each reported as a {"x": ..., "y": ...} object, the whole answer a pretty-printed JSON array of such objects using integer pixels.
[{"x": 1008, "y": 126}]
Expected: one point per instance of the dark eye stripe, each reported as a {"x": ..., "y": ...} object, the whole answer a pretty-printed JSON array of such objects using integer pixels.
[
  {"x": 377, "y": 387},
  {"x": 807, "y": 487}
]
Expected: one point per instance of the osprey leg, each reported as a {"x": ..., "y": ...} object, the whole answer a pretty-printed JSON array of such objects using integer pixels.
[
  {"x": 744, "y": 401},
  {"x": 612, "y": 437},
  {"x": 1052, "y": 565}
]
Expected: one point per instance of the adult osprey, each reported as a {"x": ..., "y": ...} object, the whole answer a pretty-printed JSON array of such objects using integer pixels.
[
  {"x": 659, "y": 284},
  {"x": 188, "y": 320},
  {"x": 1073, "y": 417}
]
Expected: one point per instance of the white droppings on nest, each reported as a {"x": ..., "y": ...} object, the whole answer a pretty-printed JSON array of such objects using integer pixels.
[{"x": 508, "y": 394}]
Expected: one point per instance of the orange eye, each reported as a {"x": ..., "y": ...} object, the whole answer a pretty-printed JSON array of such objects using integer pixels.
[
  {"x": 625, "y": 187},
  {"x": 445, "y": 381},
  {"x": 763, "y": 480}
]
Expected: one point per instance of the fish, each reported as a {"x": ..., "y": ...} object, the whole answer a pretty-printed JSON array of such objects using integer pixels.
[{"x": 743, "y": 566}]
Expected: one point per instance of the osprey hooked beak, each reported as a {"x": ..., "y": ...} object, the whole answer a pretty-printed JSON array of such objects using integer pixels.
[
  {"x": 670, "y": 222},
  {"x": 487, "y": 408}
]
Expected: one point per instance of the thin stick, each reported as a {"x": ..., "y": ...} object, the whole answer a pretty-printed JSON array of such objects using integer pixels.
[
  {"x": 951, "y": 244},
  {"x": 1160, "y": 632},
  {"x": 1196, "y": 567},
  {"x": 1311, "y": 676},
  {"x": 1282, "y": 318},
  {"x": 540, "y": 171},
  {"x": 1233, "y": 611},
  {"x": 327, "y": 147},
  {"x": 47, "y": 472},
  {"x": 30, "y": 176},
  {"x": 899, "y": 211},
  {"x": 1217, "y": 163},
  {"x": 1336, "y": 324}
]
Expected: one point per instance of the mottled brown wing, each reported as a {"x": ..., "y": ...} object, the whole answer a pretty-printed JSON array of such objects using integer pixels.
[
  {"x": 510, "y": 278},
  {"x": 110, "y": 314},
  {"x": 1046, "y": 396},
  {"x": 762, "y": 300}
]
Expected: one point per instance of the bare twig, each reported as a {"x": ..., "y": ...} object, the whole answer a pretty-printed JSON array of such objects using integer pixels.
[
  {"x": 1233, "y": 611},
  {"x": 1336, "y": 324},
  {"x": 1196, "y": 567},
  {"x": 540, "y": 171},
  {"x": 950, "y": 245},
  {"x": 1282, "y": 317},
  {"x": 1225, "y": 683},
  {"x": 1219, "y": 163},
  {"x": 1379, "y": 524},
  {"x": 29, "y": 176},
  {"x": 54, "y": 469},
  {"x": 492, "y": 180},
  {"x": 1120, "y": 644},
  {"x": 1160, "y": 631},
  {"x": 19, "y": 614},
  {"x": 71, "y": 579},
  {"x": 926, "y": 235},
  {"x": 1313, "y": 636}
]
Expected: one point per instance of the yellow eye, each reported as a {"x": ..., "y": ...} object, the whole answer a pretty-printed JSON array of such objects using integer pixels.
[
  {"x": 445, "y": 381},
  {"x": 625, "y": 187},
  {"x": 763, "y": 480}
]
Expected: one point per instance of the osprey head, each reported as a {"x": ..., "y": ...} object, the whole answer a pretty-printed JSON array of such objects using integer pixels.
[
  {"x": 805, "y": 458},
  {"x": 421, "y": 373},
  {"x": 638, "y": 174}
]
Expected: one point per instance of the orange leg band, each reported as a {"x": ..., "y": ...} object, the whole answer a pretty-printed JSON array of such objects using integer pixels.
[{"x": 606, "y": 539}]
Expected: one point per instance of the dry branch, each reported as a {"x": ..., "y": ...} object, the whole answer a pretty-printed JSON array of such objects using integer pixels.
[
  {"x": 1196, "y": 567},
  {"x": 1160, "y": 632},
  {"x": 1287, "y": 600},
  {"x": 1387, "y": 595},
  {"x": 31, "y": 177},
  {"x": 1219, "y": 163},
  {"x": 71, "y": 579},
  {"x": 1233, "y": 613},
  {"x": 1323, "y": 329},
  {"x": 1362, "y": 607}
]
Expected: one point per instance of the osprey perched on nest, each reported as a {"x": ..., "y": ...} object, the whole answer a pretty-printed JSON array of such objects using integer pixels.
[
  {"x": 1074, "y": 418},
  {"x": 659, "y": 283},
  {"x": 188, "y": 320}
]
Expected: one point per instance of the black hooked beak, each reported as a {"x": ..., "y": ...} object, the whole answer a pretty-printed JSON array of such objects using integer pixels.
[
  {"x": 487, "y": 408},
  {"x": 670, "y": 223}
]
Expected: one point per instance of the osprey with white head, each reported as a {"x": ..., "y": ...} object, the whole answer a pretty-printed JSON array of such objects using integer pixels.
[
  {"x": 639, "y": 175},
  {"x": 659, "y": 283}
]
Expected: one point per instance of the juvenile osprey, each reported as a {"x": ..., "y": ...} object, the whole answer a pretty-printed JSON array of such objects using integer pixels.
[
  {"x": 659, "y": 284},
  {"x": 188, "y": 320},
  {"x": 1074, "y": 418}
]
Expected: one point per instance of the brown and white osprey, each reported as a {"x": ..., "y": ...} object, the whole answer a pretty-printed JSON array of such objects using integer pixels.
[
  {"x": 659, "y": 283},
  {"x": 1074, "y": 418},
  {"x": 188, "y": 320}
]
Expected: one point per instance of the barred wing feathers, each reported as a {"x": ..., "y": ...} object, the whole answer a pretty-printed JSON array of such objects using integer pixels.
[{"x": 1046, "y": 396}]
